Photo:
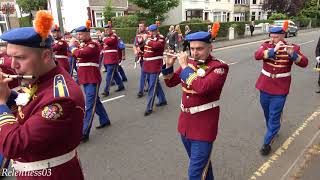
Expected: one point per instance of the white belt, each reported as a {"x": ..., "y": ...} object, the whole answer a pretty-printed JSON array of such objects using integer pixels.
[
  {"x": 275, "y": 75},
  {"x": 61, "y": 56},
  {"x": 44, "y": 164},
  {"x": 203, "y": 107},
  {"x": 153, "y": 58},
  {"x": 108, "y": 51},
  {"x": 88, "y": 64}
]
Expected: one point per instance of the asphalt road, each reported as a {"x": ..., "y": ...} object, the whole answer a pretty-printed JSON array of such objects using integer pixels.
[
  {"x": 140, "y": 148},
  {"x": 143, "y": 148}
]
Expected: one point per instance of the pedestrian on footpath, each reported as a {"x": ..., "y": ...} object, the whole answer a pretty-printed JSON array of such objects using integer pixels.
[
  {"x": 153, "y": 61},
  {"x": 89, "y": 76},
  {"x": 252, "y": 27},
  {"x": 186, "y": 44},
  {"x": 274, "y": 81},
  {"x": 41, "y": 124},
  {"x": 317, "y": 52},
  {"x": 202, "y": 77}
]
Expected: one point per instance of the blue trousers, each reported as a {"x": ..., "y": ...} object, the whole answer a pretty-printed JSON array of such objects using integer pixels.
[
  {"x": 122, "y": 74},
  {"x": 93, "y": 105},
  {"x": 272, "y": 106},
  {"x": 154, "y": 89},
  {"x": 199, "y": 159},
  {"x": 142, "y": 78},
  {"x": 112, "y": 72}
]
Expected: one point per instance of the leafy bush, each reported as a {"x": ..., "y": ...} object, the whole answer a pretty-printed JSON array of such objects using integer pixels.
[
  {"x": 125, "y": 21},
  {"x": 277, "y": 16},
  {"x": 25, "y": 21},
  {"x": 195, "y": 20}
]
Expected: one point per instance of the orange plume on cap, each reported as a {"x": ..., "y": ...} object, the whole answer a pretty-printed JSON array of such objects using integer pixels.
[
  {"x": 88, "y": 24},
  {"x": 215, "y": 29},
  {"x": 285, "y": 25},
  {"x": 43, "y": 23}
]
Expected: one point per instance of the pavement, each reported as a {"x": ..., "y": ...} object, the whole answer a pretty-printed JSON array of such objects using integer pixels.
[{"x": 135, "y": 147}]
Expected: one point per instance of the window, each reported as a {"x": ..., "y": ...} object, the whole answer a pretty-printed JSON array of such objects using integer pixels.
[
  {"x": 240, "y": 2},
  {"x": 253, "y": 16},
  {"x": 216, "y": 16},
  {"x": 191, "y": 14},
  {"x": 254, "y": 1},
  {"x": 119, "y": 13},
  {"x": 218, "y": 0},
  {"x": 239, "y": 16},
  {"x": 259, "y": 16},
  {"x": 224, "y": 17},
  {"x": 99, "y": 19}
]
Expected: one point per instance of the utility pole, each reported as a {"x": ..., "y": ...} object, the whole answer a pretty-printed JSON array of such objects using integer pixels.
[{"x": 58, "y": 4}]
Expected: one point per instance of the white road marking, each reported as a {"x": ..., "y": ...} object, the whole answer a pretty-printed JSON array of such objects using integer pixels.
[
  {"x": 306, "y": 42},
  {"x": 232, "y": 63},
  {"x": 234, "y": 46},
  {"x": 111, "y": 99}
]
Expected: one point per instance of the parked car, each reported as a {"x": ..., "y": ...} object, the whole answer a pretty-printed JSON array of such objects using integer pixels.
[
  {"x": 292, "y": 28},
  {"x": 93, "y": 33}
]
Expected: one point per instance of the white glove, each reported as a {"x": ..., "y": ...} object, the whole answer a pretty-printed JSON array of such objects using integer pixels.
[{"x": 318, "y": 59}]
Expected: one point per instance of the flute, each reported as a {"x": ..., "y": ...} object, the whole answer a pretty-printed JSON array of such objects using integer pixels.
[
  {"x": 177, "y": 55},
  {"x": 18, "y": 76}
]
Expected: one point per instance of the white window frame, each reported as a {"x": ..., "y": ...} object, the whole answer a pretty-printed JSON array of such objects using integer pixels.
[
  {"x": 98, "y": 19},
  {"x": 239, "y": 16}
]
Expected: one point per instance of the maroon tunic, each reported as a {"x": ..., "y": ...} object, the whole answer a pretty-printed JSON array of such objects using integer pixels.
[
  {"x": 278, "y": 64},
  {"x": 5, "y": 65},
  {"x": 201, "y": 126},
  {"x": 88, "y": 63},
  {"x": 153, "y": 54},
  {"x": 48, "y": 126},
  {"x": 60, "y": 49},
  {"x": 110, "y": 49}
]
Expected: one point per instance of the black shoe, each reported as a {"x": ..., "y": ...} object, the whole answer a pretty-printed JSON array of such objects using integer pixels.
[
  {"x": 124, "y": 80},
  {"x": 146, "y": 90},
  {"x": 318, "y": 91},
  {"x": 84, "y": 138},
  {"x": 161, "y": 104},
  {"x": 103, "y": 125},
  {"x": 147, "y": 113},
  {"x": 105, "y": 94},
  {"x": 112, "y": 84},
  {"x": 140, "y": 94},
  {"x": 265, "y": 150},
  {"x": 120, "y": 89}
]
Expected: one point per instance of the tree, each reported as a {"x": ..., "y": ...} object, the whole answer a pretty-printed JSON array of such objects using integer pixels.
[
  {"x": 108, "y": 11},
  {"x": 156, "y": 9},
  {"x": 311, "y": 9},
  {"x": 28, "y": 5},
  {"x": 289, "y": 7}
]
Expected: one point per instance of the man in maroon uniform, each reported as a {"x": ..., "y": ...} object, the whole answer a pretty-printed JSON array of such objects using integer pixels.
[
  {"x": 153, "y": 59},
  {"x": 202, "y": 78},
  {"x": 90, "y": 77},
  {"x": 138, "y": 49},
  {"x": 111, "y": 60},
  {"x": 41, "y": 125},
  {"x": 5, "y": 65},
  {"x": 60, "y": 49},
  {"x": 275, "y": 79}
]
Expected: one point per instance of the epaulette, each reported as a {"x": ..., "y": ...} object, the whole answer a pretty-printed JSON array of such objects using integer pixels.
[{"x": 60, "y": 86}]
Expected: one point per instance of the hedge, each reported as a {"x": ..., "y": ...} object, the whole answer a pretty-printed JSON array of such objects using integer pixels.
[
  {"x": 25, "y": 21},
  {"x": 128, "y": 34}
]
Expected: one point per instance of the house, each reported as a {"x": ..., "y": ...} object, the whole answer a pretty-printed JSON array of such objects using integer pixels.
[
  {"x": 212, "y": 10},
  {"x": 256, "y": 12},
  {"x": 241, "y": 10},
  {"x": 76, "y": 12}
]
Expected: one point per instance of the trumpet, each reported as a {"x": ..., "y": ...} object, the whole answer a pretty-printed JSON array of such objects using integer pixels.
[
  {"x": 178, "y": 56},
  {"x": 17, "y": 76}
]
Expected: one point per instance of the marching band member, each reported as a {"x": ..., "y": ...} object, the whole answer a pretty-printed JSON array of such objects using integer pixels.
[
  {"x": 138, "y": 50},
  {"x": 153, "y": 59},
  {"x": 41, "y": 125},
  {"x": 111, "y": 60},
  {"x": 60, "y": 49},
  {"x": 89, "y": 76},
  {"x": 202, "y": 77},
  {"x": 275, "y": 79}
]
